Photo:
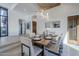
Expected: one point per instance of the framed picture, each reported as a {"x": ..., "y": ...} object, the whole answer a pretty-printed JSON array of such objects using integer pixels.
[{"x": 56, "y": 24}]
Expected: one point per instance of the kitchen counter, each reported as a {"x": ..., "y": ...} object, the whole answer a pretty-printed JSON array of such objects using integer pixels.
[
  {"x": 9, "y": 43},
  {"x": 8, "y": 40}
]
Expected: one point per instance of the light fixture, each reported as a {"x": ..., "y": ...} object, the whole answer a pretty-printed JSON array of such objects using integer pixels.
[{"x": 43, "y": 14}]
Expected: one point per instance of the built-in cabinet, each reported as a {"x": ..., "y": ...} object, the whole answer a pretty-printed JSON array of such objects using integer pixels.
[{"x": 73, "y": 29}]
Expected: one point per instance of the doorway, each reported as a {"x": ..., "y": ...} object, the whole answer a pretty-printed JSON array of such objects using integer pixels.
[{"x": 34, "y": 27}]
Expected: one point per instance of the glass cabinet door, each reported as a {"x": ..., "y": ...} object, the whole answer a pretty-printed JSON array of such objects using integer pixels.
[
  {"x": 3, "y": 12},
  {"x": 3, "y": 22},
  {"x": 3, "y": 26}
]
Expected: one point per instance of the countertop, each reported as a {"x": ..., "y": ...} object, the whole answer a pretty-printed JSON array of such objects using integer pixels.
[{"x": 8, "y": 40}]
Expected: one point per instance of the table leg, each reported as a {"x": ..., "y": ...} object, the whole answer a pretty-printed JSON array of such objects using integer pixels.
[{"x": 43, "y": 47}]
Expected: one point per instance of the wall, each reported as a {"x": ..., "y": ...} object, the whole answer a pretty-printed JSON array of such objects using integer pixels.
[
  {"x": 61, "y": 13},
  {"x": 15, "y": 15},
  {"x": 13, "y": 22},
  {"x": 40, "y": 23}
]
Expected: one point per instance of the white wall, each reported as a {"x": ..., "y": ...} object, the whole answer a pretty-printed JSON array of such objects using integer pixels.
[
  {"x": 13, "y": 21},
  {"x": 61, "y": 13},
  {"x": 15, "y": 15},
  {"x": 40, "y": 24}
]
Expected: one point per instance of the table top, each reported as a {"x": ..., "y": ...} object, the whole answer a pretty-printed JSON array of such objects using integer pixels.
[{"x": 42, "y": 42}]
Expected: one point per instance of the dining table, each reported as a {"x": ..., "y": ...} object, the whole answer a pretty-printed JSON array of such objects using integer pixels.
[{"x": 42, "y": 42}]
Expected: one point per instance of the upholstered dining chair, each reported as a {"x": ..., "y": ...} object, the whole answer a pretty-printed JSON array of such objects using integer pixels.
[
  {"x": 55, "y": 47},
  {"x": 33, "y": 50}
]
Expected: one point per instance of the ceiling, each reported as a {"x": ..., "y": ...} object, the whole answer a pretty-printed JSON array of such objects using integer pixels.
[
  {"x": 29, "y": 8},
  {"x": 34, "y": 7},
  {"x": 8, "y": 5}
]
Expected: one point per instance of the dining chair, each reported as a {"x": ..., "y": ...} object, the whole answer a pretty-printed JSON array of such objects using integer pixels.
[
  {"x": 55, "y": 47},
  {"x": 37, "y": 49},
  {"x": 28, "y": 47}
]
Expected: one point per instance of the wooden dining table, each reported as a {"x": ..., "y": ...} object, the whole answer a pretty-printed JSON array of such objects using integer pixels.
[{"x": 42, "y": 42}]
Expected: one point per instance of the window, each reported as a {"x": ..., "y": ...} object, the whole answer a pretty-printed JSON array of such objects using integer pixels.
[{"x": 3, "y": 22}]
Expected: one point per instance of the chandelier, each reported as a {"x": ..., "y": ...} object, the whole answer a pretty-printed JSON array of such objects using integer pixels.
[{"x": 44, "y": 14}]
